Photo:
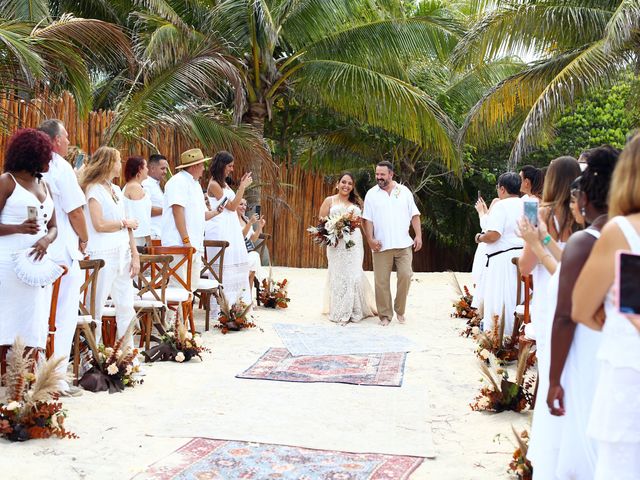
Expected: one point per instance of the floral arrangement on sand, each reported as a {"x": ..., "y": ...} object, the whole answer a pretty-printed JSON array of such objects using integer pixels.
[
  {"x": 493, "y": 342},
  {"x": 500, "y": 393},
  {"x": 233, "y": 317},
  {"x": 520, "y": 465},
  {"x": 274, "y": 294},
  {"x": 339, "y": 226},
  {"x": 177, "y": 344},
  {"x": 30, "y": 408},
  {"x": 462, "y": 307},
  {"x": 111, "y": 368}
]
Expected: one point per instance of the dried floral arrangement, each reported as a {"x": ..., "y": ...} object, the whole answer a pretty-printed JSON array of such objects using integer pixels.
[
  {"x": 274, "y": 294},
  {"x": 177, "y": 344},
  {"x": 111, "y": 368},
  {"x": 500, "y": 393},
  {"x": 494, "y": 342},
  {"x": 339, "y": 226},
  {"x": 462, "y": 307},
  {"x": 520, "y": 464},
  {"x": 30, "y": 408},
  {"x": 233, "y": 317}
]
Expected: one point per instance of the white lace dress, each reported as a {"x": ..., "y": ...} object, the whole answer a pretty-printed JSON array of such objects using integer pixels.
[{"x": 348, "y": 296}]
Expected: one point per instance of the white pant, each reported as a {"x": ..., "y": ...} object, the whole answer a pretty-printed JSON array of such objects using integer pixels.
[
  {"x": 119, "y": 285},
  {"x": 67, "y": 316}
]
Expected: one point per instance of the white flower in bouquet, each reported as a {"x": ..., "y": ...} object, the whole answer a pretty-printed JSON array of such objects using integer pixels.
[
  {"x": 108, "y": 351},
  {"x": 170, "y": 334},
  {"x": 112, "y": 369},
  {"x": 188, "y": 336},
  {"x": 180, "y": 357},
  {"x": 129, "y": 370},
  {"x": 13, "y": 406}
]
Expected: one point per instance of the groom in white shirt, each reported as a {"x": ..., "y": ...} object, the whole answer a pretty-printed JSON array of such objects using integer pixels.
[{"x": 389, "y": 209}]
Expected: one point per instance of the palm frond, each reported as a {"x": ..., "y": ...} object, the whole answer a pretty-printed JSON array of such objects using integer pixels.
[
  {"x": 17, "y": 56},
  {"x": 623, "y": 25},
  {"x": 378, "y": 100},
  {"x": 32, "y": 11}
]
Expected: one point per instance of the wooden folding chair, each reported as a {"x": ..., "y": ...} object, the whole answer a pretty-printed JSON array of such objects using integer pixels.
[
  {"x": 87, "y": 307},
  {"x": 150, "y": 303},
  {"x": 261, "y": 246},
  {"x": 53, "y": 310},
  {"x": 178, "y": 295},
  {"x": 211, "y": 286}
]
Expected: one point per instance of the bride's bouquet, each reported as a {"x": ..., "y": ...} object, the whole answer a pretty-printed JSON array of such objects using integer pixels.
[{"x": 335, "y": 227}]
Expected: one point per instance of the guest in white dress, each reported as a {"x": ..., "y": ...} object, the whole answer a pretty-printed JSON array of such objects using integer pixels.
[
  {"x": 349, "y": 296},
  {"x": 110, "y": 238},
  {"x": 158, "y": 167},
  {"x": 499, "y": 287},
  {"x": 137, "y": 201},
  {"x": 615, "y": 413},
  {"x": 27, "y": 222},
  {"x": 532, "y": 182},
  {"x": 251, "y": 236},
  {"x": 226, "y": 226},
  {"x": 479, "y": 268},
  {"x": 572, "y": 371}
]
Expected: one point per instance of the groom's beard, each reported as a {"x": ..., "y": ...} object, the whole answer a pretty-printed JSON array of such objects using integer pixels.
[{"x": 382, "y": 183}]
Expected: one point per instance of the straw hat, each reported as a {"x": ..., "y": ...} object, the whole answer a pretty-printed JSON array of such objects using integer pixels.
[{"x": 191, "y": 157}]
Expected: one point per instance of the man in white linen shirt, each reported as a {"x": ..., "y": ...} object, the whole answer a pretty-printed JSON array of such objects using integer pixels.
[
  {"x": 185, "y": 212},
  {"x": 158, "y": 167},
  {"x": 503, "y": 243},
  {"x": 389, "y": 209},
  {"x": 68, "y": 247}
]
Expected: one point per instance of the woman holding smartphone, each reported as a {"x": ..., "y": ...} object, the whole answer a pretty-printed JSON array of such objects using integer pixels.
[
  {"x": 251, "y": 235},
  {"x": 615, "y": 413},
  {"x": 226, "y": 226},
  {"x": 25, "y": 308}
]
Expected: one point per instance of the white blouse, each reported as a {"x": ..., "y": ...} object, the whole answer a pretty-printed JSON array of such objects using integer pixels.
[
  {"x": 112, "y": 210},
  {"x": 140, "y": 210}
]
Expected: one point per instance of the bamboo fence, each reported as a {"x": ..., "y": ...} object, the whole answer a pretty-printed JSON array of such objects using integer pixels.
[{"x": 290, "y": 203}]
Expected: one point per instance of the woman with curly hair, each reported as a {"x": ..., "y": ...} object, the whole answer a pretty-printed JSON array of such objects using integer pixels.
[{"x": 27, "y": 223}]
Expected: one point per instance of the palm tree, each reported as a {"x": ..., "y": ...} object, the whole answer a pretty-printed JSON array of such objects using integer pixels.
[
  {"x": 348, "y": 56},
  {"x": 578, "y": 45}
]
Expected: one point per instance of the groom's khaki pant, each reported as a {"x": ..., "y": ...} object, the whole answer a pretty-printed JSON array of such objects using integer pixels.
[{"x": 382, "y": 265}]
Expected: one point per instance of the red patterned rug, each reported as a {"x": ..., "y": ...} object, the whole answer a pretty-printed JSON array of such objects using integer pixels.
[
  {"x": 221, "y": 459},
  {"x": 382, "y": 369}
]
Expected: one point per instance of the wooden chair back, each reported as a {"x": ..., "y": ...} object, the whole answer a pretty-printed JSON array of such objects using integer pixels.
[
  {"x": 53, "y": 311},
  {"x": 156, "y": 242},
  {"x": 262, "y": 245},
  {"x": 180, "y": 271},
  {"x": 154, "y": 275},
  {"x": 214, "y": 265},
  {"x": 89, "y": 288}
]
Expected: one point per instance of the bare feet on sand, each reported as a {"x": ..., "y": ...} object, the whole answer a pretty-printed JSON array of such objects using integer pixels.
[
  {"x": 384, "y": 321},
  {"x": 401, "y": 319}
]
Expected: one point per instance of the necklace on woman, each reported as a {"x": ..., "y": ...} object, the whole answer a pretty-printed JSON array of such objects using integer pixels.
[{"x": 111, "y": 191}]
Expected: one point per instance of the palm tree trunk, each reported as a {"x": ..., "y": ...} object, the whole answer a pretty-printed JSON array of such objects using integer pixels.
[{"x": 255, "y": 117}]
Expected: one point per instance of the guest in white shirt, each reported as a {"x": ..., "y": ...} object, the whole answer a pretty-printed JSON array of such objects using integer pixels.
[
  {"x": 70, "y": 245},
  {"x": 158, "y": 167},
  {"x": 389, "y": 209},
  {"x": 111, "y": 238},
  {"x": 184, "y": 211},
  {"x": 499, "y": 286},
  {"x": 137, "y": 201},
  {"x": 531, "y": 182}
]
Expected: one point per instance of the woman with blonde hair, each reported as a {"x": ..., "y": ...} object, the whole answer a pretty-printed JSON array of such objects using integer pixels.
[
  {"x": 615, "y": 413},
  {"x": 110, "y": 237}
]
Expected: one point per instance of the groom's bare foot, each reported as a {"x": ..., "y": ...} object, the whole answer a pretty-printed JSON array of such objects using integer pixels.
[
  {"x": 385, "y": 321},
  {"x": 401, "y": 318}
]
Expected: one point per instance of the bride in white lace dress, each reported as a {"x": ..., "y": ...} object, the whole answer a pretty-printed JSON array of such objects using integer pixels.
[{"x": 349, "y": 296}]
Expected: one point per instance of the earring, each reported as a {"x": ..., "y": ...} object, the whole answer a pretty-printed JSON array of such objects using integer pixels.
[{"x": 583, "y": 211}]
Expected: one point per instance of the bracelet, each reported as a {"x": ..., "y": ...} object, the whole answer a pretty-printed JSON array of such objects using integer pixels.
[
  {"x": 545, "y": 256},
  {"x": 478, "y": 237},
  {"x": 546, "y": 240},
  {"x": 186, "y": 240},
  {"x": 123, "y": 225}
]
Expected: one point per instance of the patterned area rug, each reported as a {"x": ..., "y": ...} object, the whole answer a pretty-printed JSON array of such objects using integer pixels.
[
  {"x": 325, "y": 340},
  {"x": 381, "y": 369},
  {"x": 221, "y": 459}
]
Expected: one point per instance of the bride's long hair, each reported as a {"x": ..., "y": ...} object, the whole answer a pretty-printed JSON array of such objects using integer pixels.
[{"x": 353, "y": 195}]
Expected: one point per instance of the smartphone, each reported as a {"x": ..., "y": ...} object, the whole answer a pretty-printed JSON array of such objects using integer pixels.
[
  {"x": 258, "y": 210},
  {"x": 223, "y": 202},
  {"x": 531, "y": 211},
  {"x": 627, "y": 284},
  {"x": 79, "y": 161},
  {"x": 32, "y": 213},
  {"x": 479, "y": 195}
]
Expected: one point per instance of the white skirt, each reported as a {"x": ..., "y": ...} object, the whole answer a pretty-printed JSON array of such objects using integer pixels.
[
  {"x": 478, "y": 273},
  {"x": 577, "y": 455},
  {"x": 499, "y": 290}
]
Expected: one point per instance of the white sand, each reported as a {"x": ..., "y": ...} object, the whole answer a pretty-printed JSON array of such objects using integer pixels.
[{"x": 122, "y": 434}]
